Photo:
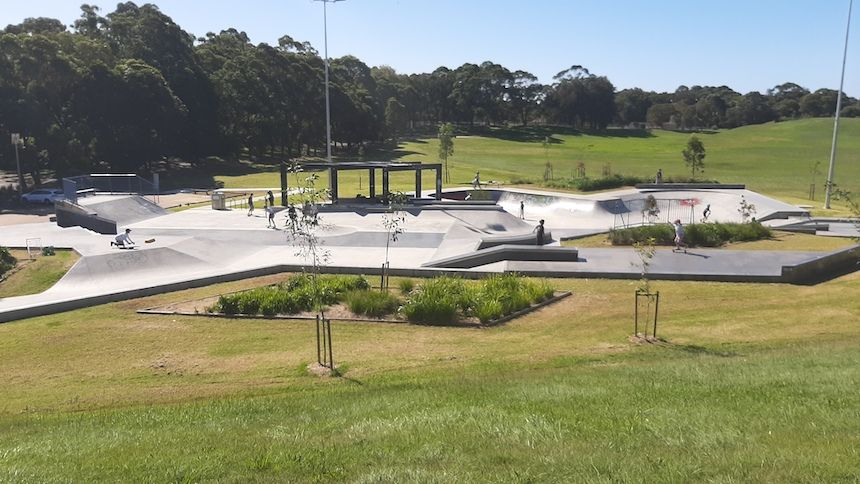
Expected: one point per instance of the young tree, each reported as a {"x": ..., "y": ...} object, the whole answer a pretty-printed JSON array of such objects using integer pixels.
[
  {"x": 446, "y": 146},
  {"x": 393, "y": 220},
  {"x": 694, "y": 155}
]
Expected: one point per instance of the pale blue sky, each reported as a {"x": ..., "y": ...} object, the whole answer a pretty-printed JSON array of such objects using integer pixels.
[{"x": 656, "y": 45}]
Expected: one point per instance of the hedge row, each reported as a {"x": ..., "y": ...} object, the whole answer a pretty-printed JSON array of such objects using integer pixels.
[{"x": 700, "y": 235}]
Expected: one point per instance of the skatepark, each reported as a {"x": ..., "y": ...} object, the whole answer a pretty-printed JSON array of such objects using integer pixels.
[{"x": 201, "y": 246}]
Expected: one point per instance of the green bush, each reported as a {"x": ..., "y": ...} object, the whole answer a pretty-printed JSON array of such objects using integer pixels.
[
  {"x": 442, "y": 300},
  {"x": 695, "y": 235},
  {"x": 662, "y": 234},
  {"x": 371, "y": 303},
  {"x": 587, "y": 184},
  {"x": 406, "y": 286},
  {"x": 489, "y": 310},
  {"x": 437, "y": 301},
  {"x": 7, "y": 260},
  {"x": 294, "y": 296},
  {"x": 48, "y": 250}
]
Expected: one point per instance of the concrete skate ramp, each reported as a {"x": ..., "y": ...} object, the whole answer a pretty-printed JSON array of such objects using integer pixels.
[
  {"x": 138, "y": 264},
  {"x": 422, "y": 240},
  {"x": 124, "y": 210},
  {"x": 507, "y": 253},
  {"x": 490, "y": 220}
]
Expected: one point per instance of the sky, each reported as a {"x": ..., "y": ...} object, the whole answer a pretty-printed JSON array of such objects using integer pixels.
[{"x": 748, "y": 45}]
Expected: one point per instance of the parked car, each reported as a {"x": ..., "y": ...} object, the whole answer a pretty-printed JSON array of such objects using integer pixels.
[{"x": 43, "y": 195}]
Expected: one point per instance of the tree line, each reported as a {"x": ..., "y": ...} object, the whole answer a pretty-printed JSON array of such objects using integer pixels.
[{"x": 127, "y": 89}]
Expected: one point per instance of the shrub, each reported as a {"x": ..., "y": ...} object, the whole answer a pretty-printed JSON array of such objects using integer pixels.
[
  {"x": 437, "y": 301},
  {"x": 371, "y": 303},
  {"x": 406, "y": 286},
  {"x": 294, "y": 296},
  {"x": 48, "y": 250},
  {"x": 489, "y": 310},
  {"x": 586, "y": 184},
  {"x": 7, "y": 260},
  {"x": 699, "y": 235},
  {"x": 662, "y": 234}
]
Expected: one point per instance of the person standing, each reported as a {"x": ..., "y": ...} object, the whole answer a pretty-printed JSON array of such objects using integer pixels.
[
  {"x": 522, "y": 210},
  {"x": 659, "y": 178},
  {"x": 540, "y": 232},
  {"x": 679, "y": 237},
  {"x": 250, "y": 204},
  {"x": 271, "y": 198},
  {"x": 270, "y": 216},
  {"x": 476, "y": 183}
]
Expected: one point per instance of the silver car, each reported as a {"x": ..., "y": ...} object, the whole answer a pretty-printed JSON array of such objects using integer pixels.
[{"x": 43, "y": 195}]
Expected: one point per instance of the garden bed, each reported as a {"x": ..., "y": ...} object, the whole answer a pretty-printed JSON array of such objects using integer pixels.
[{"x": 485, "y": 303}]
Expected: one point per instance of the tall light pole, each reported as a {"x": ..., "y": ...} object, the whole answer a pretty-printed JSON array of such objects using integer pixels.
[
  {"x": 829, "y": 185},
  {"x": 327, "y": 104},
  {"x": 16, "y": 140}
]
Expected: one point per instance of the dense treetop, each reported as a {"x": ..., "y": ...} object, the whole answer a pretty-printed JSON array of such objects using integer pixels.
[{"x": 130, "y": 88}]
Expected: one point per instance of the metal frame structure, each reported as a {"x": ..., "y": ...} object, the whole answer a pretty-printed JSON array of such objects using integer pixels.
[{"x": 385, "y": 167}]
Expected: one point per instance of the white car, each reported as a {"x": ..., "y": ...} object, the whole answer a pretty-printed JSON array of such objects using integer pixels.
[{"x": 43, "y": 195}]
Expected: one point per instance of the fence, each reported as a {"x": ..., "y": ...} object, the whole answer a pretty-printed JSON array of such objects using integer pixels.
[
  {"x": 662, "y": 211},
  {"x": 76, "y": 186}
]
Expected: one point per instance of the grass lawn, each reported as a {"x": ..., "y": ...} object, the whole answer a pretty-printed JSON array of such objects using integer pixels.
[
  {"x": 780, "y": 241},
  {"x": 37, "y": 275},
  {"x": 763, "y": 389}
]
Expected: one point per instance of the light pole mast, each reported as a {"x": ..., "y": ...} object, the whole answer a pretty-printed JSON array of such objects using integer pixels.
[
  {"x": 828, "y": 187},
  {"x": 16, "y": 140},
  {"x": 327, "y": 102}
]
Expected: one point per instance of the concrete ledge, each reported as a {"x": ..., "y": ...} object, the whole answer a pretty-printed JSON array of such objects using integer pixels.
[
  {"x": 834, "y": 264},
  {"x": 525, "y": 239},
  {"x": 691, "y": 186},
  {"x": 507, "y": 253}
]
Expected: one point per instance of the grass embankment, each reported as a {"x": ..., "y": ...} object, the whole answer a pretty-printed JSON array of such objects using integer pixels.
[
  {"x": 37, "y": 275},
  {"x": 779, "y": 241},
  {"x": 762, "y": 389}
]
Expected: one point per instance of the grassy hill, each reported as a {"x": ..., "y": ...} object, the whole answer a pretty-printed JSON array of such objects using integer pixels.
[
  {"x": 754, "y": 383},
  {"x": 773, "y": 158}
]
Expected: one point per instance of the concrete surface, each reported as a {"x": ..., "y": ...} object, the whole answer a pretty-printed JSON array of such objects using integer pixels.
[{"x": 201, "y": 246}]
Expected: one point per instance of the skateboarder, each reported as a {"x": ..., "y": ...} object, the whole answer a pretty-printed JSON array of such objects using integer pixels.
[
  {"x": 522, "y": 210},
  {"x": 706, "y": 213},
  {"x": 250, "y": 204},
  {"x": 291, "y": 214},
  {"x": 679, "y": 237},
  {"x": 123, "y": 240},
  {"x": 540, "y": 231},
  {"x": 476, "y": 182}
]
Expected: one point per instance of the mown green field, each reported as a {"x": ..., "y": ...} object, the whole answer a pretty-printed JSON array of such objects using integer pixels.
[
  {"x": 776, "y": 159},
  {"x": 754, "y": 382}
]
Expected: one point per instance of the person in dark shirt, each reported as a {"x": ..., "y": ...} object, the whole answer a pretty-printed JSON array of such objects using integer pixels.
[{"x": 540, "y": 232}]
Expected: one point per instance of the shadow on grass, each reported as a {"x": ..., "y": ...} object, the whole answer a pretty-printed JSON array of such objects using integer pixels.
[
  {"x": 539, "y": 134},
  {"x": 701, "y": 350}
]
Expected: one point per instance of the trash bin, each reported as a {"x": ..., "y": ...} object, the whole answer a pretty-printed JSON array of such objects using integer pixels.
[{"x": 219, "y": 201}]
